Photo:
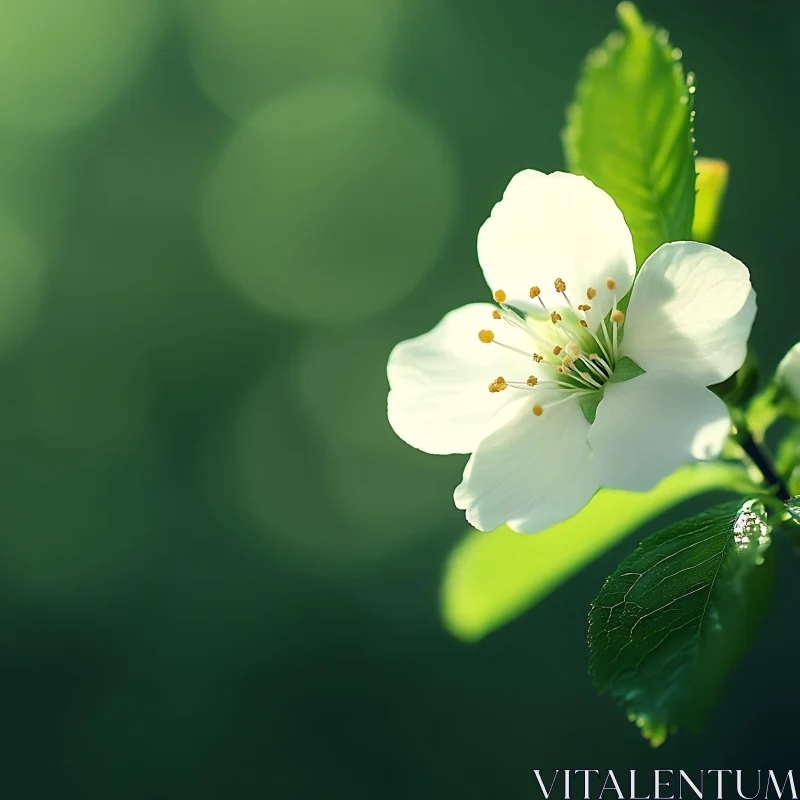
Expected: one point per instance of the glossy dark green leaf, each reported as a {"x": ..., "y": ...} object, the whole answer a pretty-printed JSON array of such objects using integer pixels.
[
  {"x": 676, "y": 615},
  {"x": 793, "y": 507},
  {"x": 629, "y": 130}
]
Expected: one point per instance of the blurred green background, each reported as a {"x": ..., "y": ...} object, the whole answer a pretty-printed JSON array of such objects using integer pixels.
[{"x": 219, "y": 569}]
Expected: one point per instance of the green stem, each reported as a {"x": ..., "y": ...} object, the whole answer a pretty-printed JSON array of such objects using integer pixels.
[{"x": 762, "y": 459}]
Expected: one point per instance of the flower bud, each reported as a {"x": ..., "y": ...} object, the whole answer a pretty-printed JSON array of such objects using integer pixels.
[{"x": 788, "y": 372}]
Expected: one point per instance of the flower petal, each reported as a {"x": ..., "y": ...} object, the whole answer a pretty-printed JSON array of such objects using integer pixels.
[
  {"x": 649, "y": 426},
  {"x": 556, "y": 226},
  {"x": 690, "y": 313},
  {"x": 531, "y": 473},
  {"x": 439, "y": 399}
]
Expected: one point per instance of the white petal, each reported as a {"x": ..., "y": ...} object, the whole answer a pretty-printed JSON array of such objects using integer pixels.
[
  {"x": 532, "y": 473},
  {"x": 556, "y": 226},
  {"x": 647, "y": 427},
  {"x": 690, "y": 313},
  {"x": 439, "y": 399}
]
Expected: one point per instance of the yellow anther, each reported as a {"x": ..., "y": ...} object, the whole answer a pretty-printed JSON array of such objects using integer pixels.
[
  {"x": 584, "y": 323},
  {"x": 486, "y": 336},
  {"x": 537, "y": 410},
  {"x": 594, "y": 356},
  {"x": 535, "y": 292},
  {"x": 537, "y": 358},
  {"x": 496, "y": 314},
  {"x": 532, "y": 380},
  {"x": 584, "y": 307},
  {"x": 500, "y": 296},
  {"x": 560, "y": 285},
  {"x": 554, "y": 317},
  {"x": 573, "y": 348},
  {"x": 557, "y": 350},
  {"x": 611, "y": 284},
  {"x": 617, "y": 316},
  {"x": 498, "y": 385},
  {"x": 591, "y": 293},
  {"x": 568, "y": 361}
]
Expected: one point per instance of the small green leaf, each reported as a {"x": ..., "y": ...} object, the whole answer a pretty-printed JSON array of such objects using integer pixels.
[
  {"x": 492, "y": 578},
  {"x": 629, "y": 131},
  {"x": 742, "y": 386},
  {"x": 793, "y": 507},
  {"x": 589, "y": 403},
  {"x": 712, "y": 181},
  {"x": 626, "y": 369},
  {"x": 674, "y": 618}
]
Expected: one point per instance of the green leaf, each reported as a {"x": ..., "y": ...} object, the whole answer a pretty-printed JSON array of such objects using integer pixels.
[
  {"x": 492, "y": 578},
  {"x": 673, "y": 619},
  {"x": 793, "y": 507},
  {"x": 712, "y": 181},
  {"x": 629, "y": 131},
  {"x": 625, "y": 369}
]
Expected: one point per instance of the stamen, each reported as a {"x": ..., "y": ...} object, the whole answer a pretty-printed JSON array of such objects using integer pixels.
[
  {"x": 515, "y": 349},
  {"x": 486, "y": 336},
  {"x": 573, "y": 348},
  {"x": 584, "y": 323},
  {"x": 500, "y": 296},
  {"x": 535, "y": 292},
  {"x": 498, "y": 385},
  {"x": 557, "y": 350},
  {"x": 555, "y": 317},
  {"x": 532, "y": 380},
  {"x": 591, "y": 293},
  {"x": 611, "y": 284},
  {"x": 616, "y": 317},
  {"x": 496, "y": 314},
  {"x": 537, "y": 358},
  {"x": 568, "y": 361},
  {"x": 589, "y": 379},
  {"x": 537, "y": 410},
  {"x": 584, "y": 307},
  {"x": 560, "y": 285}
]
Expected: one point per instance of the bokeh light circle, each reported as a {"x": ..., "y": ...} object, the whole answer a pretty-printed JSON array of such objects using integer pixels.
[
  {"x": 61, "y": 62},
  {"x": 244, "y": 52},
  {"x": 331, "y": 204}
]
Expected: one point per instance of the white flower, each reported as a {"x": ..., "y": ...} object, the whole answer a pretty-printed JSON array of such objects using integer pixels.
[
  {"x": 788, "y": 372},
  {"x": 517, "y": 384}
]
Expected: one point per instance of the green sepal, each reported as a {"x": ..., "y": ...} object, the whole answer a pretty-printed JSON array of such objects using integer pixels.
[
  {"x": 740, "y": 388},
  {"x": 625, "y": 369},
  {"x": 589, "y": 403}
]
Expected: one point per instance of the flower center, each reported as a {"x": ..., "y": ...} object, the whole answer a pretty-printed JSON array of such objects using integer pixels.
[{"x": 576, "y": 357}]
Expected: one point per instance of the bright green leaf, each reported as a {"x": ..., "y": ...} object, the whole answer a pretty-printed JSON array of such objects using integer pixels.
[
  {"x": 673, "y": 619},
  {"x": 712, "y": 181},
  {"x": 492, "y": 578},
  {"x": 625, "y": 369},
  {"x": 629, "y": 130}
]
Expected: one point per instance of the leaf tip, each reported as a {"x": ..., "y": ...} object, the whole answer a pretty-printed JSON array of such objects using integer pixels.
[{"x": 629, "y": 15}]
